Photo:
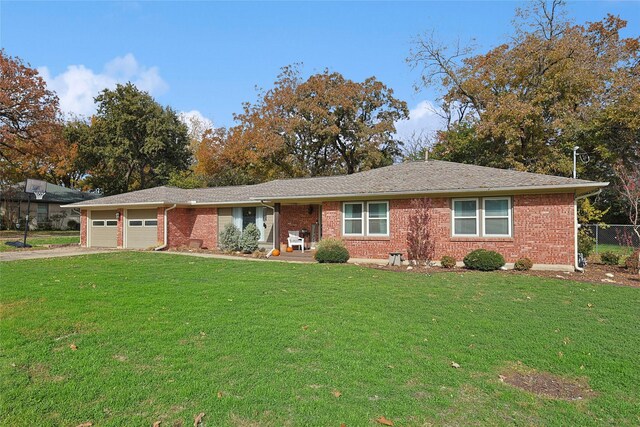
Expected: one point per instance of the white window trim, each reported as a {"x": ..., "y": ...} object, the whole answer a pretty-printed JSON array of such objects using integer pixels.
[
  {"x": 106, "y": 224},
  {"x": 103, "y": 221},
  {"x": 387, "y": 218},
  {"x": 453, "y": 216},
  {"x": 131, "y": 220},
  {"x": 509, "y": 216},
  {"x": 362, "y": 218},
  {"x": 144, "y": 223}
]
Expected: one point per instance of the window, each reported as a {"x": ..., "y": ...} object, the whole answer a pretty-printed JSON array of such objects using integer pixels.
[
  {"x": 150, "y": 222},
  {"x": 465, "y": 217},
  {"x": 378, "y": 218},
  {"x": 97, "y": 223},
  {"x": 353, "y": 219},
  {"x": 497, "y": 216},
  {"x": 486, "y": 217},
  {"x": 112, "y": 223},
  {"x": 251, "y": 215},
  {"x": 43, "y": 212},
  {"x": 135, "y": 223}
]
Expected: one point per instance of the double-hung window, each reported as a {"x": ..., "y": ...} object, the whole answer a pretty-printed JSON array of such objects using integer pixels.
[
  {"x": 497, "y": 216},
  {"x": 353, "y": 219},
  {"x": 365, "y": 219},
  {"x": 486, "y": 217},
  {"x": 465, "y": 217},
  {"x": 378, "y": 218}
]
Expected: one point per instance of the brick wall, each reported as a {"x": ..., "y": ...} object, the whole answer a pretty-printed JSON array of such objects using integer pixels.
[
  {"x": 296, "y": 217},
  {"x": 543, "y": 230},
  {"x": 83, "y": 228},
  {"x": 160, "y": 218},
  {"x": 120, "y": 226},
  {"x": 191, "y": 223}
]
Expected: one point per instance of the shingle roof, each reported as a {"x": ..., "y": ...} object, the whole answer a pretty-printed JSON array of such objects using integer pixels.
[
  {"x": 423, "y": 177},
  {"x": 54, "y": 194}
]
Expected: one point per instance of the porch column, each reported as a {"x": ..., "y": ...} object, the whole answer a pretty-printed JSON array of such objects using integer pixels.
[{"x": 276, "y": 225}]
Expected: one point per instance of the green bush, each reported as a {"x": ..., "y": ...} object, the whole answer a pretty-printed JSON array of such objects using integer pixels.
[
  {"x": 72, "y": 224},
  {"x": 632, "y": 262},
  {"x": 249, "y": 239},
  {"x": 523, "y": 264},
  {"x": 586, "y": 243},
  {"x": 483, "y": 260},
  {"x": 230, "y": 238},
  {"x": 448, "y": 261},
  {"x": 331, "y": 251},
  {"x": 610, "y": 258}
]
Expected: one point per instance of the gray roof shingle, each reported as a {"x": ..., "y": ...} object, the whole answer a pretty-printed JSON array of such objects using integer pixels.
[{"x": 423, "y": 177}]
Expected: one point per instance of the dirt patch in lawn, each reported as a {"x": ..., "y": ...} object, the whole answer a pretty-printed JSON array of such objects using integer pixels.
[{"x": 547, "y": 384}]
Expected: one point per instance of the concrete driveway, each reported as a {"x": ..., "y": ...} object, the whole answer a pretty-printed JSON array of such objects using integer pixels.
[{"x": 49, "y": 253}]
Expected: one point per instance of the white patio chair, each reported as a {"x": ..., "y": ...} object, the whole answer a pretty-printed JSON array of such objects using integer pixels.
[{"x": 294, "y": 239}]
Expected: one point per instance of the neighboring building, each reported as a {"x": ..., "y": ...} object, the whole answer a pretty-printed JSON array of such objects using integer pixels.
[
  {"x": 44, "y": 214},
  {"x": 518, "y": 214}
]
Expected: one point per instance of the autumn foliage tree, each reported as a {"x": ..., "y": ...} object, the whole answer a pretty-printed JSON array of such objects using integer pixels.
[
  {"x": 526, "y": 103},
  {"x": 324, "y": 125},
  {"x": 31, "y": 142}
]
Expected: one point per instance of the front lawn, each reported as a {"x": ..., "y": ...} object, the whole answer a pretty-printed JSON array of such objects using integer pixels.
[
  {"x": 38, "y": 239},
  {"x": 160, "y": 337}
]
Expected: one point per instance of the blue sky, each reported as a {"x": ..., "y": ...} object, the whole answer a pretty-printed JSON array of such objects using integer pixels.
[{"x": 208, "y": 57}]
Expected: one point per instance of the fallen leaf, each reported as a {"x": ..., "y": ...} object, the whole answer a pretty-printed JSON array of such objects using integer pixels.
[
  {"x": 336, "y": 393},
  {"x": 219, "y": 395},
  {"x": 502, "y": 378},
  {"x": 87, "y": 424},
  {"x": 198, "y": 419},
  {"x": 305, "y": 327},
  {"x": 156, "y": 424},
  {"x": 382, "y": 420},
  {"x": 454, "y": 365},
  {"x": 343, "y": 425},
  {"x": 73, "y": 347}
]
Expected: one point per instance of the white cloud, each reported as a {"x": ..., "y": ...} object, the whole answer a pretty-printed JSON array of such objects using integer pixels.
[
  {"x": 423, "y": 118},
  {"x": 196, "y": 122},
  {"x": 78, "y": 85}
]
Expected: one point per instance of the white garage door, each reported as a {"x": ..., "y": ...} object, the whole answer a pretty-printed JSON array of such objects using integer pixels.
[
  {"x": 142, "y": 228},
  {"x": 103, "y": 229}
]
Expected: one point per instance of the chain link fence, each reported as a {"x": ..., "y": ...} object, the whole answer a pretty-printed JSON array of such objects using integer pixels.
[{"x": 613, "y": 236}]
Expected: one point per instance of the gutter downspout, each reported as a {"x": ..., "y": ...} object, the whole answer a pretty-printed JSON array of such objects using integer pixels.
[
  {"x": 274, "y": 237},
  {"x": 166, "y": 236},
  {"x": 577, "y": 226}
]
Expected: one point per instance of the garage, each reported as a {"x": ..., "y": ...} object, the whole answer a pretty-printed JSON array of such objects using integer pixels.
[
  {"x": 142, "y": 228},
  {"x": 103, "y": 232}
]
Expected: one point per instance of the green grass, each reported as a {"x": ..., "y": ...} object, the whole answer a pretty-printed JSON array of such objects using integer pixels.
[
  {"x": 617, "y": 249},
  {"x": 39, "y": 240},
  {"x": 158, "y": 336}
]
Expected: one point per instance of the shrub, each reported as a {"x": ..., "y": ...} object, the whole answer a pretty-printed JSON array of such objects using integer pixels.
[
  {"x": 483, "y": 260},
  {"x": 72, "y": 224},
  {"x": 420, "y": 246},
  {"x": 632, "y": 262},
  {"x": 230, "y": 238},
  {"x": 331, "y": 251},
  {"x": 523, "y": 264},
  {"x": 586, "y": 243},
  {"x": 249, "y": 239},
  {"x": 610, "y": 258},
  {"x": 448, "y": 261}
]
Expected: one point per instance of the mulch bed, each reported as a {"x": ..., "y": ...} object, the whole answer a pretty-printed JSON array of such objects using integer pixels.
[{"x": 593, "y": 273}]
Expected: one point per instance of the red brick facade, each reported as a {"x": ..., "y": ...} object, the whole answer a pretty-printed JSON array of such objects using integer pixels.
[
  {"x": 83, "y": 228},
  {"x": 543, "y": 230},
  {"x": 191, "y": 223},
  {"x": 297, "y": 217}
]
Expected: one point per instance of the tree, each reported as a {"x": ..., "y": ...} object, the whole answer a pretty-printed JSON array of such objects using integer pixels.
[
  {"x": 526, "y": 103},
  {"x": 134, "y": 142},
  {"x": 325, "y": 125},
  {"x": 629, "y": 188},
  {"x": 31, "y": 144},
  {"x": 420, "y": 245}
]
